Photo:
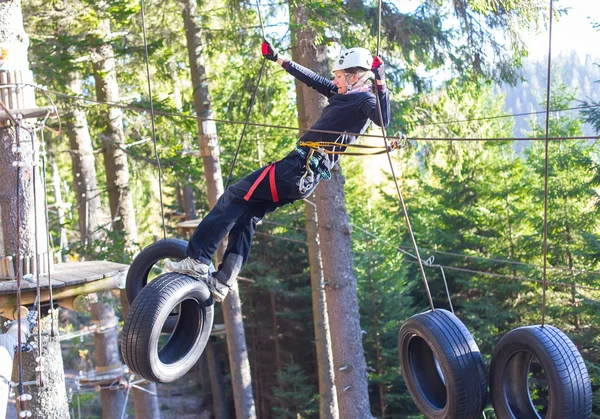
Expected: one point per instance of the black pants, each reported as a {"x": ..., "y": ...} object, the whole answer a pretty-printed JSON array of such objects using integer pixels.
[{"x": 234, "y": 215}]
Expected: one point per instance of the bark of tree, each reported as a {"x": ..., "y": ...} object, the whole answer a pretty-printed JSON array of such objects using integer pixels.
[
  {"x": 51, "y": 400},
  {"x": 89, "y": 207},
  {"x": 342, "y": 298},
  {"x": 310, "y": 104},
  {"x": 107, "y": 355},
  {"x": 60, "y": 208},
  {"x": 209, "y": 150},
  {"x": 220, "y": 409},
  {"x": 334, "y": 234},
  {"x": 113, "y": 138},
  {"x": 12, "y": 31},
  {"x": 187, "y": 192}
]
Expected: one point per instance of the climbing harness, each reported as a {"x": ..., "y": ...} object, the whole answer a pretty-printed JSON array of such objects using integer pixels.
[
  {"x": 269, "y": 170},
  {"x": 397, "y": 143}
]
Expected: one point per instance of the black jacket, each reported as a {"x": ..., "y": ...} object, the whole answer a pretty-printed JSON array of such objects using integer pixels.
[{"x": 350, "y": 112}]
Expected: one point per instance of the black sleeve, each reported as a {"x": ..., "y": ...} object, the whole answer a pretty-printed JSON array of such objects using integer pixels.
[
  {"x": 369, "y": 108},
  {"x": 308, "y": 77}
]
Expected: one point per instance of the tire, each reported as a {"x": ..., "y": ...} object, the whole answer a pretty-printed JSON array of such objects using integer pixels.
[
  {"x": 442, "y": 366},
  {"x": 137, "y": 276},
  {"x": 146, "y": 318},
  {"x": 569, "y": 386}
]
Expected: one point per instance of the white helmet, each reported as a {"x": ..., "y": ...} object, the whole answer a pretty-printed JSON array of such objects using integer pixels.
[{"x": 353, "y": 57}]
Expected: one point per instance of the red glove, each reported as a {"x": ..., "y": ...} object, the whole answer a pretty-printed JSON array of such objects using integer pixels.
[
  {"x": 268, "y": 51},
  {"x": 377, "y": 68}
]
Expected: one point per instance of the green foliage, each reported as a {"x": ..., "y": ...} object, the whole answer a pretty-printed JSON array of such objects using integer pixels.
[
  {"x": 473, "y": 205},
  {"x": 297, "y": 397}
]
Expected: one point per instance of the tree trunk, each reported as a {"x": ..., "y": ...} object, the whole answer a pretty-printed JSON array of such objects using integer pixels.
[
  {"x": 49, "y": 401},
  {"x": 107, "y": 354},
  {"x": 60, "y": 208},
  {"x": 334, "y": 235},
  {"x": 145, "y": 402},
  {"x": 209, "y": 149},
  {"x": 310, "y": 104},
  {"x": 220, "y": 409},
  {"x": 89, "y": 207},
  {"x": 187, "y": 192},
  {"x": 378, "y": 355},
  {"x": 12, "y": 32},
  {"x": 113, "y": 137}
]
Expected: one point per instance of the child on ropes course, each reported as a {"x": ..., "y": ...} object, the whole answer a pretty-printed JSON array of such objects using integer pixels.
[{"x": 352, "y": 104}]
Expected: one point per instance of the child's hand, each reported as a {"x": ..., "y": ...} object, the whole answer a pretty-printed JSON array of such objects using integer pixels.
[
  {"x": 377, "y": 68},
  {"x": 268, "y": 51}
]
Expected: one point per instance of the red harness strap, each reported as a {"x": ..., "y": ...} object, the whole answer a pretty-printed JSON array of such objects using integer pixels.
[{"x": 270, "y": 169}]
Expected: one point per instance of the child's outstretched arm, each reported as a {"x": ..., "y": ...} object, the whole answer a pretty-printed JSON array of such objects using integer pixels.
[
  {"x": 306, "y": 76},
  {"x": 369, "y": 107}
]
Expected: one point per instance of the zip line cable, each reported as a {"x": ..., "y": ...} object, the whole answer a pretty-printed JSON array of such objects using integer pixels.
[
  {"x": 400, "y": 248},
  {"x": 512, "y": 115},
  {"x": 152, "y": 116},
  {"x": 389, "y": 156},
  {"x": 290, "y": 128},
  {"x": 546, "y": 158},
  {"x": 450, "y": 268}
]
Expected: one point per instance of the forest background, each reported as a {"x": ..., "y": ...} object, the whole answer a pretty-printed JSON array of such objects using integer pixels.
[{"x": 475, "y": 206}]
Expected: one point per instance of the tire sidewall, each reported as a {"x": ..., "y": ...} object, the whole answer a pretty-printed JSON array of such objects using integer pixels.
[
  {"x": 409, "y": 330},
  {"x": 169, "y": 372},
  {"x": 514, "y": 342},
  {"x": 137, "y": 276}
]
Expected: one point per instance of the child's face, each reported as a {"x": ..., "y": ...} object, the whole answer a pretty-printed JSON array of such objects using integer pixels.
[{"x": 340, "y": 81}]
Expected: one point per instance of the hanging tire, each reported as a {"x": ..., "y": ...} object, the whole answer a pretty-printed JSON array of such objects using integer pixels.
[
  {"x": 137, "y": 276},
  {"x": 569, "y": 386},
  {"x": 442, "y": 366},
  {"x": 147, "y": 315}
]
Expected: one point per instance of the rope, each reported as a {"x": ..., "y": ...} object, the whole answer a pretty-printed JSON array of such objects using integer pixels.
[
  {"x": 546, "y": 158},
  {"x": 162, "y": 206},
  {"x": 252, "y": 100},
  {"x": 318, "y": 146},
  {"x": 48, "y": 241},
  {"x": 262, "y": 125},
  {"x": 400, "y": 197},
  {"x": 36, "y": 260},
  {"x": 451, "y": 268},
  {"x": 511, "y": 115},
  {"x": 18, "y": 260},
  {"x": 239, "y": 146},
  {"x": 510, "y": 262}
]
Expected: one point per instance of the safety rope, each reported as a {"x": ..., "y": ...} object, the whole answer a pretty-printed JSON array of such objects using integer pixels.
[
  {"x": 152, "y": 116},
  {"x": 319, "y": 146},
  {"x": 400, "y": 196},
  {"x": 546, "y": 158},
  {"x": 252, "y": 100}
]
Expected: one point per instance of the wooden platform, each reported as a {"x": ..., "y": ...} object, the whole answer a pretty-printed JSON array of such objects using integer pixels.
[{"x": 68, "y": 280}]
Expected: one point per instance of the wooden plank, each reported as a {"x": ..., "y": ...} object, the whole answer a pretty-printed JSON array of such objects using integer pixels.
[
  {"x": 64, "y": 292},
  {"x": 27, "y": 113},
  {"x": 68, "y": 274}
]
